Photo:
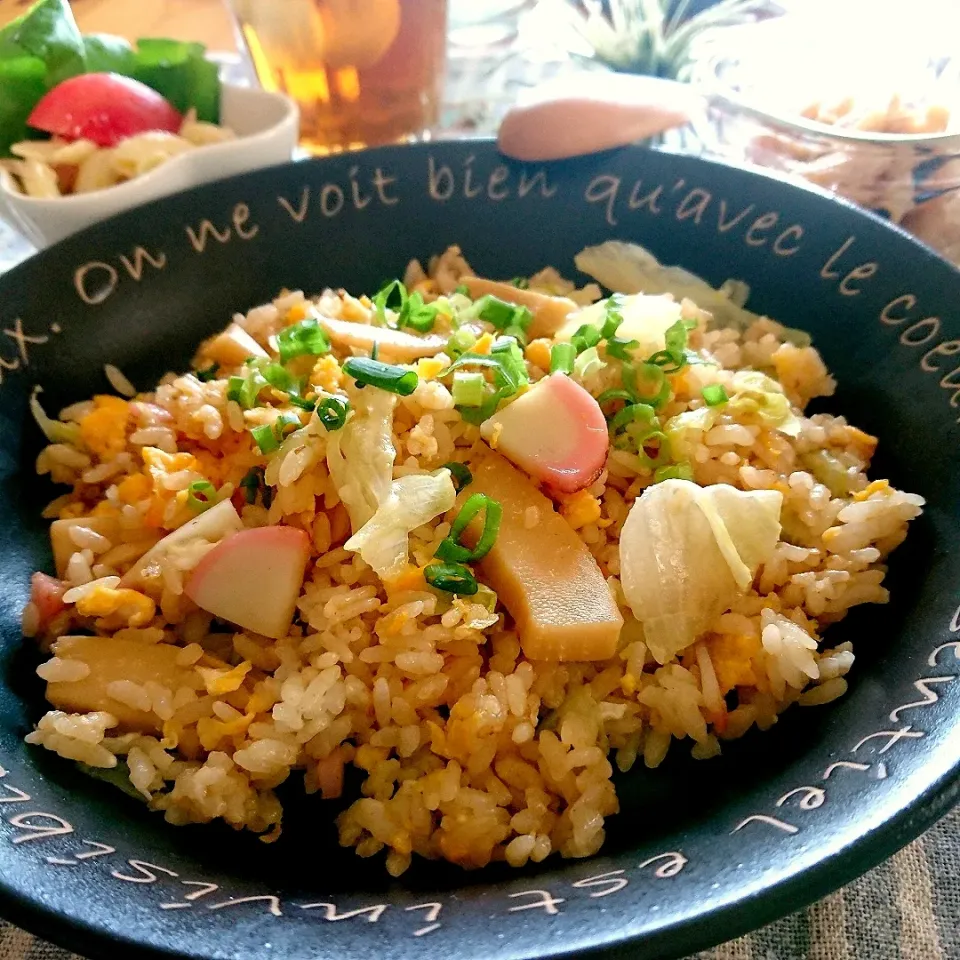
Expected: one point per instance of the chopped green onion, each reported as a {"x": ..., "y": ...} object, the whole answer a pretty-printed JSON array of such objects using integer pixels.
[
  {"x": 451, "y": 578},
  {"x": 201, "y": 495},
  {"x": 235, "y": 388},
  {"x": 562, "y": 356},
  {"x": 505, "y": 361},
  {"x": 521, "y": 283},
  {"x": 304, "y": 339},
  {"x": 468, "y": 388},
  {"x": 714, "y": 394},
  {"x": 494, "y": 310},
  {"x": 385, "y": 376},
  {"x": 621, "y": 349},
  {"x": 451, "y": 552},
  {"x": 269, "y": 436},
  {"x": 663, "y": 358},
  {"x": 410, "y": 308},
  {"x": 612, "y": 317},
  {"x": 491, "y": 527},
  {"x": 252, "y": 483},
  {"x": 655, "y": 388},
  {"x": 460, "y": 342},
  {"x": 382, "y": 298},
  {"x": 674, "y": 357},
  {"x": 586, "y": 337},
  {"x": 210, "y": 373},
  {"x": 332, "y": 412},
  {"x": 460, "y": 473},
  {"x": 416, "y": 314},
  {"x": 637, "y": 426},
  {"x": 633, "y": 413},
  {"x": 516, "y": 333},
  {"x": 508, "y": 318},
  {"x": 280, "y": 378},
  {"x": 462, "y": 289},
  {"x": 283, "y": 421},
  {"x": 608, "y": 396},
  {"x": 492, "y": 515},
  {"x": 245, "y": 390},
  {"x": 501, "y": 363},
  {"x": 509, "y": 353},
  {"x": 265, "y": 439},
  {"x": 673, "y": 471},
  {"x": 663, "y": 449},
  {"x": 303, "y": 404}
]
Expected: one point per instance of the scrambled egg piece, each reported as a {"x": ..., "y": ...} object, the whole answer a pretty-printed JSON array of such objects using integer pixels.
[
  {"x": 219, "y": 682},
  {"x": 295, "y": 314},
  {"x": 483, "y": 344},
  {"x": 326, "y": 374},
  {"x": 104, "y": 429},
  {"x": 368, "y": 756},
  {"x": 129, "y": 607},
  {"x": 876, "y": 486},
  {"x": 428, "y": 368},
  {"x": 732, "y": 660},
  {"x": 134, "y": 488},
  {"x": 410, "y": 578},
  {"x": 159, "y": 465},
  {"x": 538, "y": 353},
  {"x": 580, "y": 509},
  {"x": 211, "y": 731}
]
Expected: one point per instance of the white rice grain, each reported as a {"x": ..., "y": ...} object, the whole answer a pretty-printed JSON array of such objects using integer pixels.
[
  {"x": 76, "y": 593},
  {"x": 56, "y": 670},
  {"x": 119, "y": 381}
]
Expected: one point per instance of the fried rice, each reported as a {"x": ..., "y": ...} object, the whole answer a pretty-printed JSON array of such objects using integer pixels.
[{"x": 468, "y": 750}]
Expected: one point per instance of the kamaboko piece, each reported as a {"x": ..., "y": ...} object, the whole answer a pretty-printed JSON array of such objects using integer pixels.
[
  {"x": 687, "y": 552},
  {"x": 545, "y": 576},
  {"x": 253, "y": 578},
  {"x": 555, "y": 432}
]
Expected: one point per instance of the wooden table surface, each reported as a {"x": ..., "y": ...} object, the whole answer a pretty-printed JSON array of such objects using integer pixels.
[{"x": 205, "y": 20}]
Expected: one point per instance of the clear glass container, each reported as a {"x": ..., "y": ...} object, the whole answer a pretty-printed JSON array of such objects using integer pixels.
[
  {"x": 873, "y": 116},
  {"x": 363, "y": 72}
]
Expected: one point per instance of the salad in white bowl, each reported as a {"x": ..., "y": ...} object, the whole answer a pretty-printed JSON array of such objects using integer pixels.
[{"x": 90, "y": 125}]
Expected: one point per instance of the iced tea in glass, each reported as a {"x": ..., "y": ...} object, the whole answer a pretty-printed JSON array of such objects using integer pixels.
[{"x": 363, "y": 72}]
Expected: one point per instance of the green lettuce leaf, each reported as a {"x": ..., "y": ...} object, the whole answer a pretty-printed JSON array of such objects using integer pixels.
[
  {"x": 48, "y": 32},
  {"x": 37, "y": 50},
  {"x": 44, "y": 46},
  {"x": 22, "y": 84},
  {"x": 182, "y": 73},
  {"x": 104, "y": 53}
]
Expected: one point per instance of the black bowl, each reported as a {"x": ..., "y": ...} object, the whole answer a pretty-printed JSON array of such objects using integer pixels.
[{"x": 701, "y": 851}]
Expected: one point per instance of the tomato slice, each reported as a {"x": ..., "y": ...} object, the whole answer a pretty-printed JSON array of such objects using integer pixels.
[{"x": 103, "y": 107}]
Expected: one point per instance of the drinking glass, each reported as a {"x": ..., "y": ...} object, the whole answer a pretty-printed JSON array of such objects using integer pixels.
[{"x": 363, "y": 72}]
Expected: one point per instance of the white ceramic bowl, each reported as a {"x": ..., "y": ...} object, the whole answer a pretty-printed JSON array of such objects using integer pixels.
[{"x": 266, "y": 124}]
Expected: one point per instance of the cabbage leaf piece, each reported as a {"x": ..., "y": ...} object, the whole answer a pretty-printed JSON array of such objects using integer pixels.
[
  {"x": 383, "y": 541},
  {"x": 687, "y": 552}
]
